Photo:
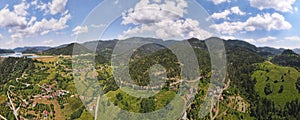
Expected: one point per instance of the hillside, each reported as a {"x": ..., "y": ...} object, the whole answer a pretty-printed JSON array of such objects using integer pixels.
[
  {"x": 297, "y": 51},
  {"x": 276, "y": 76},
  {"x": 2, "y": 51},
  {"x": 287, "y": 58},
  {"x": 257, "y": 88},
  {"x": 31, "y": 49},
  {"x": 68, "y": 50}
]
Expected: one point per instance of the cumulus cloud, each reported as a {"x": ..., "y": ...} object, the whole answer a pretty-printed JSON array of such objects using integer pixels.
[
  {"x": 162, "y": 20},
  {"x": 221, "y": 15},
  {"x": 216, "y": 2},
  {"x": 80, "y": 29},
  {"x": 279, "y": 5},
  {"x": 21, "y": 24},
  {"x": 48, "y": 41},
  {"x": 41, "y": 27},
  {"x": 21, "y": 9},
  {"x": 266, "y": 22},
  {"x": 144, "y": 12},
  {"x": 1, "y": 36},
  {"x": 236, "y": 10},
  {"x": 266, "y": 39},
  {"x": 292, "y": 38},
  {"x": 57, "y": 6},
  {"x": 249, "y": 40},
  {"x": 224, "y": 15},
  {"x": 228, "y": 37},
  {"x": 11, "y": 19}
]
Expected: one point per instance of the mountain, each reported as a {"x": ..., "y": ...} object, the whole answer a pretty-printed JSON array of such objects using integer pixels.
[
  {"x": 67, "y": 50},
  {"x": 297, "y": 51},
  {"x": 287, "y": 58},
  {"x": 240, "y": 43},
  {"x": 6, "y": 51},
  {"x": 271, "y": 50},
  {"x": 36, "y": 49}
]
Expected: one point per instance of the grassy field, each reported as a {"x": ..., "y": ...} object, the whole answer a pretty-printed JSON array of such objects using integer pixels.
[
  {"x": 3, "y": 98},
  {"x": 278, "y": 76}
]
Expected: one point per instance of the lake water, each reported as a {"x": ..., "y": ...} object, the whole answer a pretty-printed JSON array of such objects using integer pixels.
[{"x": 17, "y": 55}]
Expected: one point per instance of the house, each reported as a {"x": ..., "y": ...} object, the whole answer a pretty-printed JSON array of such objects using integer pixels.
[
  {"x": 24, "y": 105},
  {"x": 34, "y": 104},
  {"x": 51, "y": 113},
  {"x": 82, "y": 97},
  {"x": 45, "y": 113},
  {"x": 91, "y": 108}
]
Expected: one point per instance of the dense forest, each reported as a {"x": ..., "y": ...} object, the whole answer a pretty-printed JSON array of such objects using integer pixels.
[
  {"x": 287, "y": 58},
  {"x": 12, "y": 68}
]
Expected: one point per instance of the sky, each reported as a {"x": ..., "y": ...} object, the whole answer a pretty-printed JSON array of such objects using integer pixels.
[{"x": 273, "y": 23}]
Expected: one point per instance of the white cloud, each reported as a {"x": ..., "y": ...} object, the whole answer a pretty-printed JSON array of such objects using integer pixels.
[
  {"x": 228, "y": 37},
  {"x": 216, "y": 2},
  {"x": 48, "y": 41},
  {"x": 279, "y": 5},
  {"x": 21, "y": 9},
  {"x": 168, "y": 29},
  {"x": 266, "y": 39},
  {"x": 98, "y": 26},
  {"x": 41, "y": 27},
  {"x": 42, "y": 7},
  {"x": 224, "y": 15},
  {"x": 144, "y": 12},
  {"x": 57, "y": 6},
  {"x": 236, "y": 10},
  {"x": 292, "y": 38},
  {"x": 221, "y": 15},
  {"x": 32, "y": 20},
  {"x": 80, "y": 29},
  {"x": 266, "y": 22},
  {"x": 157, "y": 1},
  {"x": 249, "y": 40},
  {"x": 152, "y": 20},
  {"x": 11, "y": 19},
  {"x": 20, "y": 24},
  {"x": 34, "y": 2},
  {"x": 1, "y": 36}
]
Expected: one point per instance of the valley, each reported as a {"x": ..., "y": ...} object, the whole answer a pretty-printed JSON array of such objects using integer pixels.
[{"x": 259, "y": 84}]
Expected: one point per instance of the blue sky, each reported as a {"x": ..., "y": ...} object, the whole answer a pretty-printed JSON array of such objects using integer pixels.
[{"x": 272, "y": 23}]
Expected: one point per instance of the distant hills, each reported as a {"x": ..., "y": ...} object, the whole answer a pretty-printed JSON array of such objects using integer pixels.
[
  {"x": 287, "y": 58},
  {"x": 105, "y": 47},
  {"x": 35, "y": 49},
  {"x": 297, "y": 50},
  {"x": 67, "y": 50},
  {"x": 2, "y": 51}
]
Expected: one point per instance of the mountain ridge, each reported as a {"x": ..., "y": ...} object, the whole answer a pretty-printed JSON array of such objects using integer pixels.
[{"x": 103, "y": 44}]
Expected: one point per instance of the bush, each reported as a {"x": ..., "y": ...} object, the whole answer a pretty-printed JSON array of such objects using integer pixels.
[{"x": 268, "y": 89}]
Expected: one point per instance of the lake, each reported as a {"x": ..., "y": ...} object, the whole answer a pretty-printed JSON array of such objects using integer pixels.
[{"x": 18, "y": 55}]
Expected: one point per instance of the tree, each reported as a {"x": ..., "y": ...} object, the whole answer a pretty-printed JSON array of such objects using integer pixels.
[
  {"x": 268, "y": 89},
  {"x": 147, "y": 105},
  {"x": 119, "y": 96},
  {"x": 281, "y": 89},
  {"x": 298, "y": 84}
]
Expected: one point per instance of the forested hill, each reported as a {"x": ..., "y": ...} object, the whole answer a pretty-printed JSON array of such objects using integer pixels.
[
  {"x": 67, "y": 50},
  {"x": 2, "y": 51},
  {"x": 105, "y": 48},
  {"x": 287, "y": 58},
  {"x": 12, "y": 68}
]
